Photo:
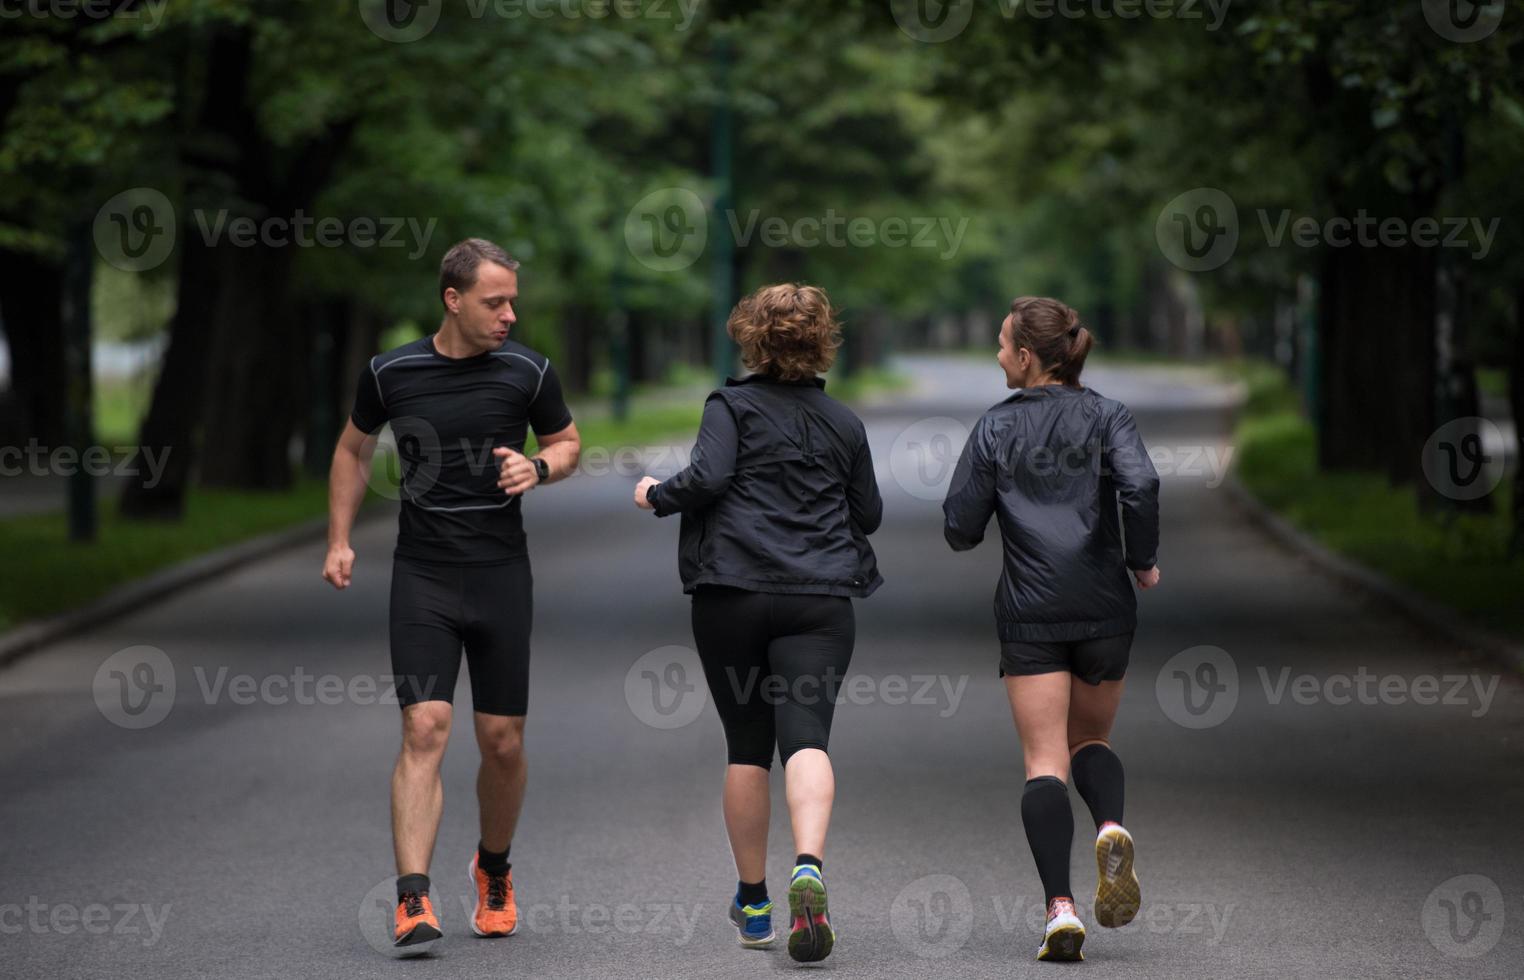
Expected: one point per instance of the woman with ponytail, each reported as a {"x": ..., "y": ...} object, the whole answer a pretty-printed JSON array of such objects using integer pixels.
[{"x": 1058, "y": 462}]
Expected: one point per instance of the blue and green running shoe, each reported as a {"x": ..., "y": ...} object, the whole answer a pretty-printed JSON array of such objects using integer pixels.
[
  {"x": 754, "y": 923},
  {"x": 810, "y": 937}
]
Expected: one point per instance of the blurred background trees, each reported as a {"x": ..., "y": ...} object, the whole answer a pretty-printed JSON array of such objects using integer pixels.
[{"x": 1047, "y": 150}]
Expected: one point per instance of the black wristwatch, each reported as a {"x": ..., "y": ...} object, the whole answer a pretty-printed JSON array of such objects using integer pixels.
[{"x": 541, "y": 468}]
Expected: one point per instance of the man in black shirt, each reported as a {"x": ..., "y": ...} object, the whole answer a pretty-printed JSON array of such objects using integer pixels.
[{"x": 460, "y": 403}]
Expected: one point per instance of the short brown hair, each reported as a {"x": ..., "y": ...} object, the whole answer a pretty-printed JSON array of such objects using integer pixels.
[
  {"x": 786, "y": 331},
  {"x": 458, "y": 268},
  {"x": 1052, "y": 331}
]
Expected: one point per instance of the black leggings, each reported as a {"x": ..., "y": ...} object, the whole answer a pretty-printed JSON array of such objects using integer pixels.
[{"x": 774, "y": 664}]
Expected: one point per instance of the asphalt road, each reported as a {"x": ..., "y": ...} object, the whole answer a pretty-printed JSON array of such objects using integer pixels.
[{"x": 1316, "y": 789}]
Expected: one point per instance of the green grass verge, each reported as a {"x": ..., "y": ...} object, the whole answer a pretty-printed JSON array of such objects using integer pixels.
[
  {"x": 1459, "y": 560},
  {"x": 46, "y": 573},
  {"x": 1492, "y": 381},
  {"x": 120, "y": 405}
]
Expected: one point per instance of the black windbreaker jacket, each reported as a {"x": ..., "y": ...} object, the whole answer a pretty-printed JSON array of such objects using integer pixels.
[
  {"x": 1054, "y": 462},
  {"x": 779, "y": 495}
]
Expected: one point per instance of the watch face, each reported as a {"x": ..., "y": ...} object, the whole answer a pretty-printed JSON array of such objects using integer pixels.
[{"x": 541, "y": 467}]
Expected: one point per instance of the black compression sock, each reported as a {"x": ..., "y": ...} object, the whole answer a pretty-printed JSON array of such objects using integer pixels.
[
  {"x": 1099, "y": 779},
  {"x": 412, "y": 883},
  {"x": 1049, "y": 823},
  {"x": 491, "y": 862},
  {"x": 810, "y": 859},
  {"x": 752, "y": 893}
]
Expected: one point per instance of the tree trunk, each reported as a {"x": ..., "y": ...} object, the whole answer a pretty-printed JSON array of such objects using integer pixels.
[
  {"x": 1376, "y": 359},
  {"x": 576, "y": 366},
  {"x": 172, "y": 425},
  {"x": 325, "y": 324},
  {"x": 256, "y": 371},
  {"x": 31, "y": 305},
  {"x": 1516, "y": 407}
]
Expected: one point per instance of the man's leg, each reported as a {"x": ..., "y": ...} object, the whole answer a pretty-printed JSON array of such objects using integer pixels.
[
  {"x": 500, "y": 781},
  {"x": 499, "y": 616},
  {"x": 425, "y": 655},
  {"x": 417, "y": 792}
]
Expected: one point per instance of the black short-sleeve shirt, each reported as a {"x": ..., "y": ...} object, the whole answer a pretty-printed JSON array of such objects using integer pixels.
[{"x": 447, "y": 415}]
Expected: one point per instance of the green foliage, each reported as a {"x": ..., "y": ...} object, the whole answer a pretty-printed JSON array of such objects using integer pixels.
[{"x": 1460, "y": 561}]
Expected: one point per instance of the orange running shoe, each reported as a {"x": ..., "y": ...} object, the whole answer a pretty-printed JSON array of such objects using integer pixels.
[
  {"x": 496, "y": 912},
  {"x": 417, "y": 928}
]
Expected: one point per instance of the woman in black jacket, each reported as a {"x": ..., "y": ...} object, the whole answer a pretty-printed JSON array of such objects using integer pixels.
[
  {"x": 777, "y": 503},
  {"x": 1054, "y": 461}
]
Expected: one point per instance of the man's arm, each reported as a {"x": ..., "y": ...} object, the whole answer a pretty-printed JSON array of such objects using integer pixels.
[
  {"x": 554, "y": 432},
  {"x": 348, "y": 477},
  {"x": 560, "y": 451}
]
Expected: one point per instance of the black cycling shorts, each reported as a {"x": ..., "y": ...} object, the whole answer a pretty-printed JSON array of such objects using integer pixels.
[
  {"x": 1092, "y": 661},
  {"x": 438, "y": 609},
  {"x": 774, "y": 665}
]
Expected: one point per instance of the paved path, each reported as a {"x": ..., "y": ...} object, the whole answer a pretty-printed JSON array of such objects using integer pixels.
[{"x": 1287, "y": 834}]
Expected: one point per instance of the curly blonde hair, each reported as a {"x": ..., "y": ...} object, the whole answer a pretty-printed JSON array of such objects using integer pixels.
[{"x": 786, "y": 331}]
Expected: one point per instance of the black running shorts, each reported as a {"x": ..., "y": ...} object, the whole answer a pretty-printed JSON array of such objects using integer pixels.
[
  {"x": 774, "y": 664},
  {"x": 1092, "y": 661},
  {"x": 438, "y": 609}
]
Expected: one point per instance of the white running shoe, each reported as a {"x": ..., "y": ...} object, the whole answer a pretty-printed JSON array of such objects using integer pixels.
[
  {"x": 1064, "y": 934},
  {"x": 1117, "y": 892}
]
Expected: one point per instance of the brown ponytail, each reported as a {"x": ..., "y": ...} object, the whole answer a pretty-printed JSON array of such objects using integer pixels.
[{"x": 1052, "y": 331}]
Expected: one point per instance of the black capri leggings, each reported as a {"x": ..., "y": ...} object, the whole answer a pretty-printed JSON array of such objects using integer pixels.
[{"x": 774, "y": 665}]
